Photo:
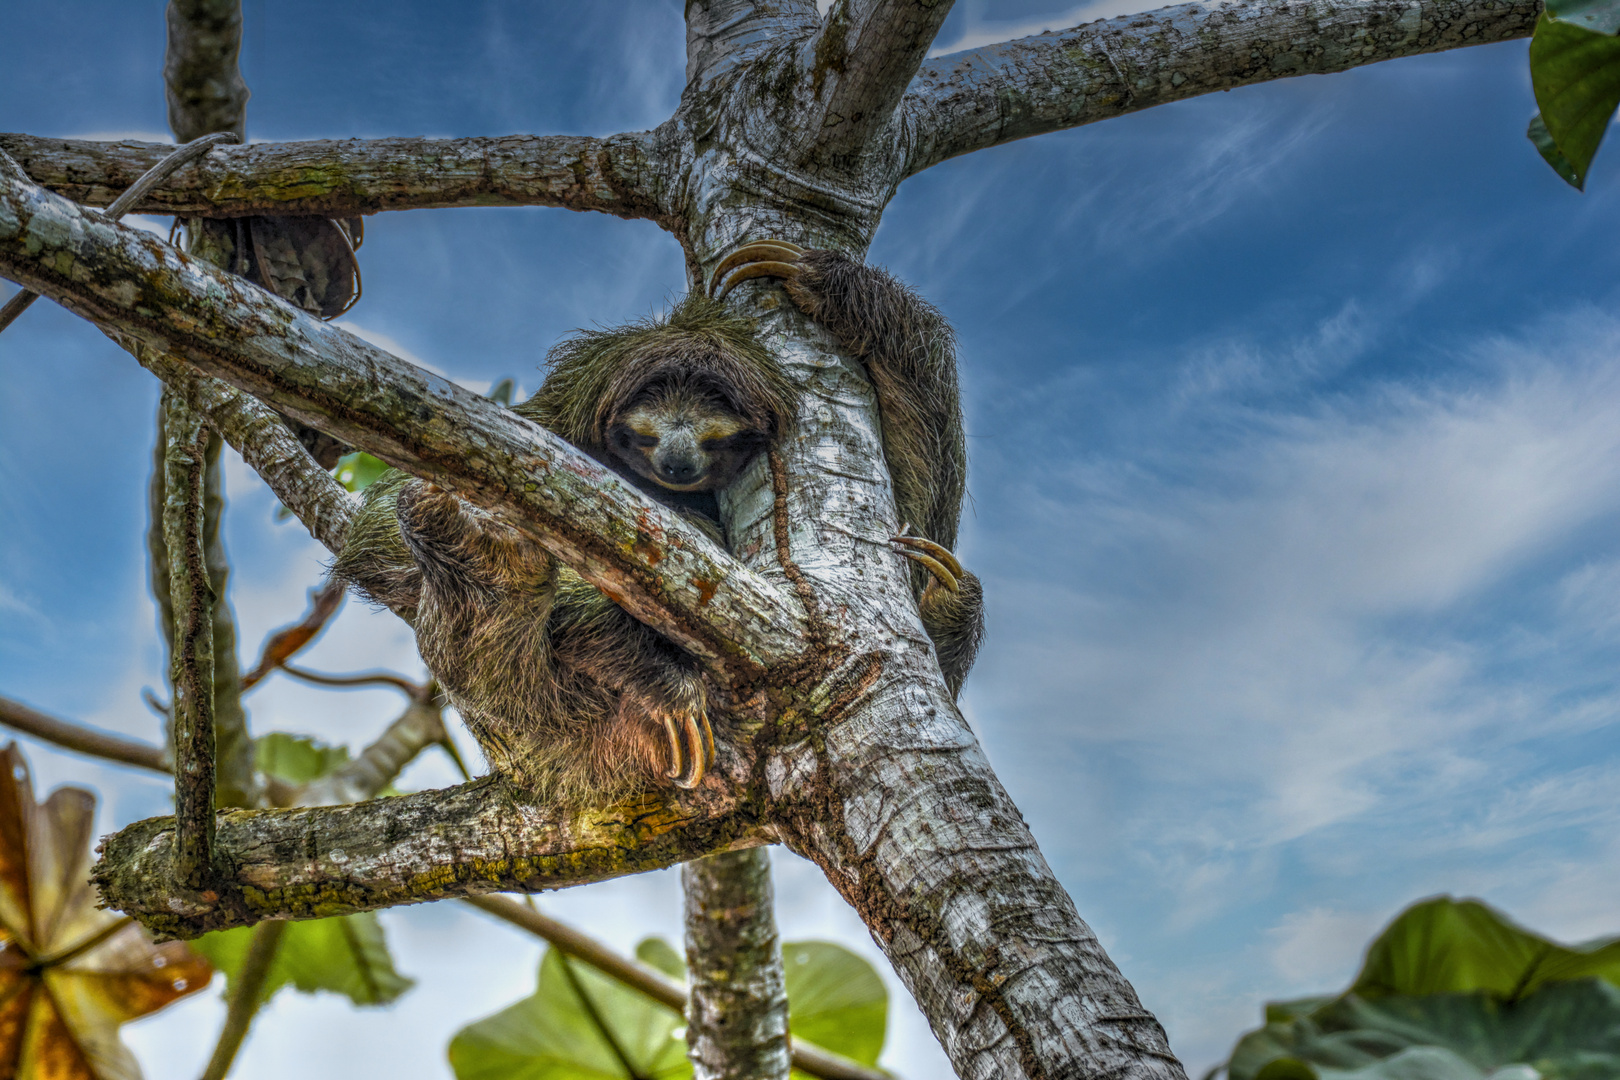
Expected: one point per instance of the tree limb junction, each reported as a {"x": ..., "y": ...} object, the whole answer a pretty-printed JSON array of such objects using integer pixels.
[{"x": 639, "y": 553}]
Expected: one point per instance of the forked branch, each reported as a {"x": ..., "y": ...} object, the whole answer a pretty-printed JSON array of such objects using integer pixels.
[{"x": 644, "y": 556}]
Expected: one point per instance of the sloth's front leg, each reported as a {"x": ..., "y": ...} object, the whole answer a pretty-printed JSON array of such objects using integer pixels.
[{"x": 951, "y": 605}]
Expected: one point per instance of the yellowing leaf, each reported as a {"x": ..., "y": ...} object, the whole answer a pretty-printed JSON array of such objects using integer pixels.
[{"x": 70, "y": 973}]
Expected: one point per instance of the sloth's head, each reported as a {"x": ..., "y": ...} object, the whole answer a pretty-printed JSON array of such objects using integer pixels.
[
  {"x": 684, "y": 435},
  {"x": 686, "y": 402}
]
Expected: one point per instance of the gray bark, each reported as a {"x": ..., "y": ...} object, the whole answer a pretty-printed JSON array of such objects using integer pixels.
[
  {"x": 737, "y": 1012},
  {"x": 356, "y": 176},
  {"x": 200, "y": 71},
  {"x": 984, "y": 97}
]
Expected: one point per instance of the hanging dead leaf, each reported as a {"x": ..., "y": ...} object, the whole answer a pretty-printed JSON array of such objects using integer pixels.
[{"x": 70, "y": 973}]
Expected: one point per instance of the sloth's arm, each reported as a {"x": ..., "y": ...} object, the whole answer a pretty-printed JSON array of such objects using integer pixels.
[
  {"x": 909, "y": 351},
  {"x": 374, "y": 560}
]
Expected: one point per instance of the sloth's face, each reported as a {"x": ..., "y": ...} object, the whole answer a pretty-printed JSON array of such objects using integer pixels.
[{"x": 684, "y": 442}]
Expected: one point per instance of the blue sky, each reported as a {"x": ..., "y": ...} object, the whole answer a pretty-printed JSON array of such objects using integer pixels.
[{"x": 1295, "y": 472}]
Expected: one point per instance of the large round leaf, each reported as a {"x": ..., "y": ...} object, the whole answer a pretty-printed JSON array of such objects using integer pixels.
[
  {"x": 1445, "y": 946},
  {"x": 577, "y": 1025},
  {"x": 835, "y": 999}
]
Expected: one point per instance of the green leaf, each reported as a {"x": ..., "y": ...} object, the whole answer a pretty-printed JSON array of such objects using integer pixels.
[
  {"x": 1444, "y": 946},
  {"x": 1575, "y": 73},
  {"x": 1565, "y": 1031},
  {"x": 297, "y": 759},
  {"x": 1538, "y": 134},
  {"x": 502, "y": 392},
  {"x": 835, "y": 999},
  {"x": 347, "y": 956},
  {"x": 1602, "y": 16},
  {"x": 655, "y": 952},
  {"x": 356, "y": 471},
  {"x": 578, "y": 1025}
]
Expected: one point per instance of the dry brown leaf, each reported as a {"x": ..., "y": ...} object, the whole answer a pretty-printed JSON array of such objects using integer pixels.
[{"x": 70, "y": 973}]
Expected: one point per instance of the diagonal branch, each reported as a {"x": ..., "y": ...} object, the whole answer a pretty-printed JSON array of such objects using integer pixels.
[
  {"x": 80, "y": 739},
  {"x": 649, "y": 561},
  {"x": 984, "y": 97},
  {"x": 487, "y": 836},
  {"x": 616, "y": 175},
  {"x": 860, "y": 63}
]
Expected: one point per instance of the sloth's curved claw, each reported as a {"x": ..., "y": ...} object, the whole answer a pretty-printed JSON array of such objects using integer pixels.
[
  {"x": 691, "y": 747},
  {"x": 759, "y": 258},
  {"x": 937, "y": 560}
]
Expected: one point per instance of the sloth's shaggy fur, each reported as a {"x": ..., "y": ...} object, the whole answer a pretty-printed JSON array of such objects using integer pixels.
[{"x": 565, "y": 692}]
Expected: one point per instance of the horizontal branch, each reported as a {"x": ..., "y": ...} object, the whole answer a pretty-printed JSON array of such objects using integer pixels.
[
  {"x": 642, "y": 555},
  {"x": 984, "y": 97},
  {"x": 486, "y": 836},
  {"x": 357, "y": 176},
  {"x": 80, "y": 739}
]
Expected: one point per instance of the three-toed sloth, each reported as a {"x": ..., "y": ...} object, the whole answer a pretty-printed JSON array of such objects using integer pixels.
[{"x": 566, "y": 693}]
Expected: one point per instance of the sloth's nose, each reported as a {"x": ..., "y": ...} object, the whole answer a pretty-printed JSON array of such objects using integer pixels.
[{"x": 678, "y": 470}]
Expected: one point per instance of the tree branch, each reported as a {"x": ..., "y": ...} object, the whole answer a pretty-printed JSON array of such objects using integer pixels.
[
  {"x": 641, "y": 554},
  {"x": 860, "y": 63},
  {"x": 325, "y": 506},
  {"x": 487, "y": 836},
  {"x": 82, "y": 740},
  {"x": 737, "y": 1015},
  {"x": 201, "y": 74},
  {"x": 984, "y": 97},
  {"x": 192, "y": 664},
  {"x": 616, "y": 175}
]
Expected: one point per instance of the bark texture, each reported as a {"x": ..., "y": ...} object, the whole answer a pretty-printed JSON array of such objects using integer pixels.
[
  {"x": 984, "y": 97},
  {"x": 737, "y": 1012},
  {"x": 356, "y": 176},
  {"x": 191, "y": 671},
  {"x": 200, "y": 69},
  {"x": 482, "y": 837}
]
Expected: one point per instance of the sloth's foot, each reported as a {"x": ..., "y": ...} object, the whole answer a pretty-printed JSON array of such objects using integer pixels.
[
  {"x": 760, "y": 258},
  {"x": 935, "y": 558},
  {"x": 691, "y": 740}
]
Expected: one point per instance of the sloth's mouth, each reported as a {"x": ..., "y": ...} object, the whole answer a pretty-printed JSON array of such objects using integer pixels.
[{"x": 691, "y": 485}]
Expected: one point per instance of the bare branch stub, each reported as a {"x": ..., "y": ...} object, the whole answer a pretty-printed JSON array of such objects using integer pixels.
[{"x": 984, "y": 97}]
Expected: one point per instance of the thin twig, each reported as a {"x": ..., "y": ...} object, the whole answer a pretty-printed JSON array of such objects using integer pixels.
[
  {"x": 82, "y": 740},
  {"x": 287, "y": 642},
  {"x": 246, "y": 996},
  {"x": 368, "y": 678},
  {"x": 192, "y": 665},
  {"x": 120, "y": 206},
  {"x": 807, "y": 1057}
]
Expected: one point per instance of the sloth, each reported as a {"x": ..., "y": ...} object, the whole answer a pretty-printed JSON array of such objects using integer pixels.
[{"x": 566, "y": 693}]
